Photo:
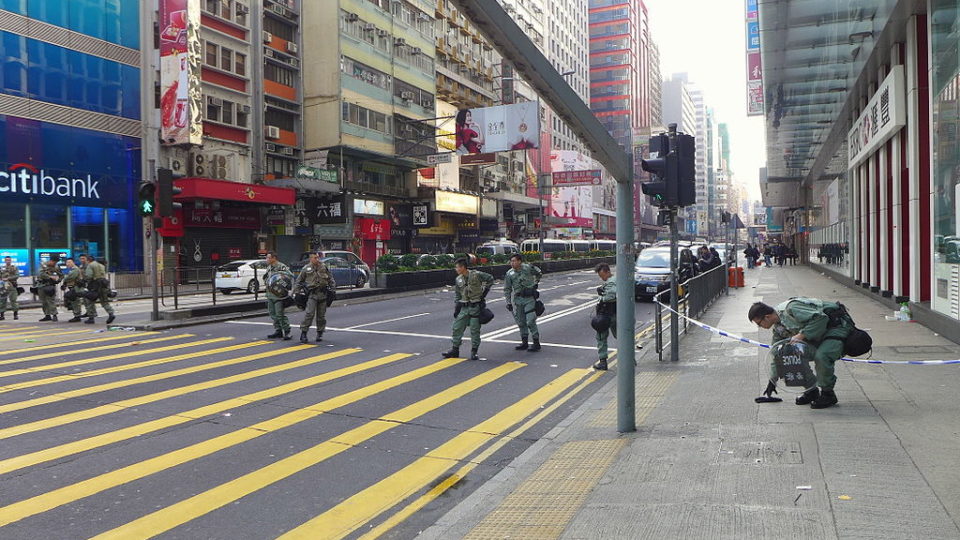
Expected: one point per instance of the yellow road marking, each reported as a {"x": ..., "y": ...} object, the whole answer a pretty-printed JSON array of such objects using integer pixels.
[
  {"x": 117, "y": 369},
  {"x": 462, "y": 472},
  {"x": 126, "y": 354},
  {"x": 357, "y": 510},
  {"x": 208, "y": 501},
  {"x": 86, "y": 414},
  {"x": 93, "y": 349},
  {"x": 44, "y": 333},
  {"x": 14, "y": 330},
  {"x": 57, "y": 452},
  {"x": 123, "y": 335},
  {"x": 67, "y": 494}
]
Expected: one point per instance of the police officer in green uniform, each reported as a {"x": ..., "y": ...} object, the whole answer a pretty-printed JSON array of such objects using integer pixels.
[
  {"x": 275, "y": 305},
  {"x": 520, "y": 290},
  {"x": 47, "y": 279},
  {"x": 824, "y": 325},
  {"x": 606, "y": 306},
  {"x": 71, "y": 287},
  {"x": 9, "y": 274},
  {"x": 471, "y": 289},
  {"x": 95, "y": 279},
  {"x": 315, "y": 279}
]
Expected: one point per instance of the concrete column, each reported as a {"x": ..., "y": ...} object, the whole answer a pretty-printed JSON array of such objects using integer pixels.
[
  {"x": 913, "y": 159},
  {"x": 882, "y": 233},
  {"x": 873, "y": 182},
  {"x": 895, "y": 166}
]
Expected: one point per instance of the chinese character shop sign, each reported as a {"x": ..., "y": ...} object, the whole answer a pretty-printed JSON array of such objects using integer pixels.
[
  {"x": 373, "y": 229},
  {"x": 883, "y": 116}
]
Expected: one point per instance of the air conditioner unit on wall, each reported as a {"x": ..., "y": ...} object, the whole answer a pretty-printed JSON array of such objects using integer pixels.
[
  {"x": 291, "y": 47},
  {"x": 287, "y": 151},
  {"x": 273, "y": 132},
  {"x": 267, "y": 37},
  {"x": 399, "y": 42},
  {"x": 407, "y": 96},
  {"x": 279, "y": 10},
  {"x": 351, "y": 17},
  {"x": 215, "y": 101},
  {"x": 178, "y": 166},
  {"x": 271, "y": 147},
  {"x": 416, "y": 50},
  {"x": 368, "y": 27},
  {"x": 383, "y": 33}
]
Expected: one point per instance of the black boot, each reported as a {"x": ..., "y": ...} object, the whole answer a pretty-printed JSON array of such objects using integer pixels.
[
  {"x": 319, "y": 337},
  {"x": 45, "y": 318},
  {"x": 16, "y": 315},
  {"x": 473, "y": 355},
  {"x": 275, "y": 335},
  {"x": 808, "y": 397},
  {"x": 454, "y": 352},
  {"x": 89, "y": 321},
  {"x": 53, "y": 318},
  {"x": 111, "y": 318},
  {"x": 601, "y": 365},
  {"x": 536, "y": 345},
  {"x": 76, "y": 319},
  {"x": 2, "y": 317},
  {"x": 827, "y": 399},
  {"x": 524, "y": 345},
  {"x": 303, "y": 337},
  {"x": 286, "y": 335}
]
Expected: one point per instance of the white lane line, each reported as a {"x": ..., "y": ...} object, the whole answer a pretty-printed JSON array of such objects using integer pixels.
[
  {"x": 558, "y": 345},
  {"x": 569, "y": 311},
  {"x": 387, "y": 321}
]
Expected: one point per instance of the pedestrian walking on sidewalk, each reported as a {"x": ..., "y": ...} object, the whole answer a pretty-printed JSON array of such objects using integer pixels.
[
  {"x": 520, "y": 289},
  {"x": 98, "y": 286},
  {"x": 470, "y": 293},
  {"x": 275, "y": 306},
  {"x": 72, "y": 296},
  {"x": 9, "y": 290},
  {"x": 46, "y": 283},
  {"x": 823, "y": 325},
  {"x": 605, "y": 321},
  {"x": 315, "y": 281}
]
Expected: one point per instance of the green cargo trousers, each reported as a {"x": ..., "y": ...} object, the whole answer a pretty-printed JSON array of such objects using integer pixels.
[
  {"x": 77, "y": 305},
  {"x": 49, "y": 303},
  {"x": 602, "y": 348},
  {"x": 525, "y": 314},
  {"x": 316, "y": 309},
  {"x": 468, "y": 316},
  {"x": 92, "y": 305},
  {"x": 8, "y": 295},
  {"x": 828, "y": 352},
  {"x": 275, "y": 309}
]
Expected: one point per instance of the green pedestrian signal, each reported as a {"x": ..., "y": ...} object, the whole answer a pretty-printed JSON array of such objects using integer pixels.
[{"x": 146, "y": 205}]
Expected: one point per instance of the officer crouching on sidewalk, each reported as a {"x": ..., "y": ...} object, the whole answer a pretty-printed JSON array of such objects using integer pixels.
[
  {"x": 520, "y": 290},
  {"x": 47, "y": 280},
  {"x": 315, "y": 280},
  {"x": 824, "y": 325},
  {"x": 470, "y": 291},
  {"x": 605, "y": 320},
  {"x": 275, "y": 305},
  {"x": 72, "y": 299}
]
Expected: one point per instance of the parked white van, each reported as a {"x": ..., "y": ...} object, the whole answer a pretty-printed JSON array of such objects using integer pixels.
[
  {"x": 549, "y": 245},
  {"x": 498, "y": 247},
  {"x": 603, "y": 245}
]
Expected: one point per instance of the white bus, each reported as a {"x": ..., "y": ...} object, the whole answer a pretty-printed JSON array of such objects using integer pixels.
[
  {"x": 603, "y": 245},
  {"x": 581, "y": 246},
  {"x": 549, "y": 245}
]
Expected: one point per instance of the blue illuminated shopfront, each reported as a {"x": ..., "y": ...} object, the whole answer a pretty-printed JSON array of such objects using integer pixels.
[{"x": 68, "y": 190}]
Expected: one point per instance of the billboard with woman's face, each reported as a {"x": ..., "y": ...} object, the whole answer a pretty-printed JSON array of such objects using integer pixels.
[{"x": 498, "y": 129}]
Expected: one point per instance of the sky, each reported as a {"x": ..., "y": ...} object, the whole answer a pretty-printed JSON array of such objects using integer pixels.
[{"x": 707, "y": 39}]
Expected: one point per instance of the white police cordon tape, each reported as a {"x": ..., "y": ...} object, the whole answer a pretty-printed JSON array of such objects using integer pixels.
[{"x": 725, "y": 334}]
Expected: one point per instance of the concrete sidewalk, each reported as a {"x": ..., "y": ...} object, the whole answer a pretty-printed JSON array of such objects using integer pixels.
[{"x": 708, "y": 462}]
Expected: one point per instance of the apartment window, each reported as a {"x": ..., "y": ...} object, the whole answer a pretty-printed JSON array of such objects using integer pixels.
[
  {"x": 213, "y": 112},
  {"x": 212, "y": 50},
  {"x": 278, "y": 28},
  {"x": 243, "y": 118},
  {"x": 277, "y": 74},
  {"x": 240, "y": 64},
  {"x": 226, "y": 59},
  {"x": 360, "y": 116},
  {"x": 226, "y": 112}
]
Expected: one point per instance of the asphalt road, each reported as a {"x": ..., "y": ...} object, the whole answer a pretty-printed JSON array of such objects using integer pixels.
[{"x": 216, "y": 432}]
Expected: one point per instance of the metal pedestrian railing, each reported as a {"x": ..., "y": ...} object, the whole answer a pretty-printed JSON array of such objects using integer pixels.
[{"x": 696, "y": 295}]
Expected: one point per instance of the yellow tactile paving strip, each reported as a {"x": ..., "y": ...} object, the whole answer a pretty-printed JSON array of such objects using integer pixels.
[
  {"x": 541, "y": 507},
  {"x": 650, "y": 388}
]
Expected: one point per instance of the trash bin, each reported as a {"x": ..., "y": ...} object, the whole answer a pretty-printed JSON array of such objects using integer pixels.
[{"x": 735, "y": 276}]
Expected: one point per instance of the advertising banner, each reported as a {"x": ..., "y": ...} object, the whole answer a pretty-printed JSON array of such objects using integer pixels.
[
  {"x": 373, "y": 229},
  {"x": 457, "y": 203},
  {"x": 498, "y": 129},
  {"x": 571, "y": 206},
  {"x": 774, "y": 220},
  {"x": 180, "y": 95},
  {"x": 591, "y": 177},
  {"x": 755, "y": 97},
  {"x": 368, "y": 206},
  {"x": 19, "y": 258},
  {"x": 229, "y": 218},
  {"x": 326, "y": 211},
  {"x": 401, "y": 220},
  {"x": 421, "y": 215},
  {"x": 883, "y": 116}
]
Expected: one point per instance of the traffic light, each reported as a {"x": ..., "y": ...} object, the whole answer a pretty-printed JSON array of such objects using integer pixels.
[
  {"x": 662, "y": 191},
  {"x": 146, "y": 203},
  {"x": 686, "y": 170},
  {"x": 165, "y": 203}
]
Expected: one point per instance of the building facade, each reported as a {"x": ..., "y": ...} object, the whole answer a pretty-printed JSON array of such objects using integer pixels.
[{"x": 70, "y": 119}]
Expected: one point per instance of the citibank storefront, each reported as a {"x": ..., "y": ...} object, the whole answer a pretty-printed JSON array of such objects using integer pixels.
[{"x": 67, "y": 190}]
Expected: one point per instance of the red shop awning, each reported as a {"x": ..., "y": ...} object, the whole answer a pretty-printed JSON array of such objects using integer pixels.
[{"x": 206, "y": 188}]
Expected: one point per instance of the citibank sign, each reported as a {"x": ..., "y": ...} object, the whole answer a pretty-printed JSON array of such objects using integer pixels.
[{"x": 25, "y": 179}]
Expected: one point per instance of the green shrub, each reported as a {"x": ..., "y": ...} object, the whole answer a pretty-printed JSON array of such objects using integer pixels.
[
  {"x": 409, "y": 260},
  {"x": 444, "y": 261},
  {"x": 387, "y": 263},
  {"x": 500, "y": 258},
  {"x": 427, "y": 261}
]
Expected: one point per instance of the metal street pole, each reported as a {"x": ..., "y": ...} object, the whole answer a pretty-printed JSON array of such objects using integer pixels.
[
  {"x": 626, "y": 317},
  {"x": 155, "y": 279},
  {"x": 674, "y": 277}
]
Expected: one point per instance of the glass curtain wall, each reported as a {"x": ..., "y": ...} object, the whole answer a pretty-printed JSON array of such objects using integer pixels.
[{"x": 945, "y": 87}]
